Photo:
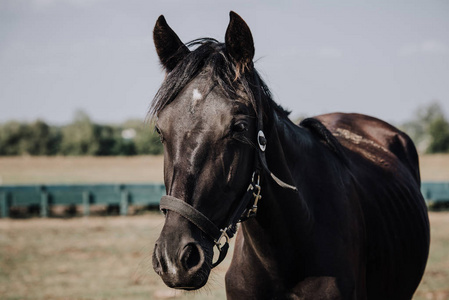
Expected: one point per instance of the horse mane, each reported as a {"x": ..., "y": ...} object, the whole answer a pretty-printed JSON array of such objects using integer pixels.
[
  {"x": 322, "y": 133},
  {"x": 210, "y": 53}
]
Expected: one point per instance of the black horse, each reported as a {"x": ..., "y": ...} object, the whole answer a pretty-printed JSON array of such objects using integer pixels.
[{"x": 330, "y": 209}]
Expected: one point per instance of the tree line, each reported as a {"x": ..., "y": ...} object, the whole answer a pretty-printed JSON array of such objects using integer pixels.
[
  {"x": 80, "y": 137},
  {"x": 428, "y": 128}
]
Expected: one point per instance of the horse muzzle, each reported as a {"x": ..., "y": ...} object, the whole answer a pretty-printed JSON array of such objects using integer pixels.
[{"x": 180, "y": 260}]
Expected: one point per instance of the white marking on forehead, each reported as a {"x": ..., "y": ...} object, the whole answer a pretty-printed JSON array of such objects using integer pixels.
[{"x": 196, "y": 95}]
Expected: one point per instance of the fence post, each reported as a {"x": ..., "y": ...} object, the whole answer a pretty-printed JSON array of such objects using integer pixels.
[
  {"x": 4, "y": 204},
  {"x": 44, "y": 203},
  {"x": 162, "y": 187},
  {"x": 124, "y": 202},
  {"x": 86, "y": 203}
]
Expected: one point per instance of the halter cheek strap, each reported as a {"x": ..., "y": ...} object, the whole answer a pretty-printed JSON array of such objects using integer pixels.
[{"x": 262, "y": 141}]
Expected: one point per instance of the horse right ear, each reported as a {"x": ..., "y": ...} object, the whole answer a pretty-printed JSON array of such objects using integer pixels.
[
  {"x": 239, "y": 42},
  {"x": 169, "y": 47}
]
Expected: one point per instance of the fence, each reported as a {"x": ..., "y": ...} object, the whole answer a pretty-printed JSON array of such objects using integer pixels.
[
  {"x": 45, "y": 196},
  {"x": 124, "y": 195},
  {"x": 436, "y": 193}
]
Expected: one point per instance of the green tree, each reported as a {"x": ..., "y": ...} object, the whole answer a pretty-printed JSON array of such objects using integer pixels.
[
  {"x": 81, "y": 137},
  {"x": 12, "y": 135},
  {"x": 41, "y": 139},
  {"x": 424, "y": 127},
  {"x": 36, "y": 138},
  {"x": 417, "y": 128},
  {"x": 146, "y": 140},
  {"x": 439, "y": 132},
  {"x": 107, "y": 140}
]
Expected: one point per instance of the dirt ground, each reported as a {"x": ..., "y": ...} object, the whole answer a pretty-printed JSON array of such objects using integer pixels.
[{"x": 110, "y": 258}]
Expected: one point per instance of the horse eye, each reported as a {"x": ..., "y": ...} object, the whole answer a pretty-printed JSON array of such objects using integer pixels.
[
  {"x": 239, "y": 127},
  {"x": 159, "y": 133}
]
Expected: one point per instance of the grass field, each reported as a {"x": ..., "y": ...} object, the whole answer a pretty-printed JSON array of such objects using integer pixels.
[
  {"x": 121, "y": 169},
  {"x": 110, "y": 257},
  {"x": 86, "y": 258},
  {"x": 23, "y": 170}
]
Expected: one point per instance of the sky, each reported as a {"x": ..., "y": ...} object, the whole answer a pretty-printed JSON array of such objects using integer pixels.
[{"x": 381, "y": 58}]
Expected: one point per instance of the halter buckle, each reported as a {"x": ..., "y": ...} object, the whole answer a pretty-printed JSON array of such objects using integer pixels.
[
  {"x": 224, "y": 234},
  {"x": 257, "y": 189}
]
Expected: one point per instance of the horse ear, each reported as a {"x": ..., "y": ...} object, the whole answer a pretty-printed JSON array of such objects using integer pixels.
[
  {"x": 239, "y": 42},
  {"x": 169, "y": 47}
]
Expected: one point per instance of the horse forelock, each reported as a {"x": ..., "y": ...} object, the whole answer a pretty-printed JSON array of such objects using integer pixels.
[{"x": 210, "y": 55}]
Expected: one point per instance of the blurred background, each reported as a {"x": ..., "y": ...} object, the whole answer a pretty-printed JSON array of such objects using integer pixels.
[{"x": 76, "y": 81}]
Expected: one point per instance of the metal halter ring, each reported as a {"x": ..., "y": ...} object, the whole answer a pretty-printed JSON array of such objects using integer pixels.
[
  {"x": 253, "y": 177},
  {"x": 261, "y": 140}
]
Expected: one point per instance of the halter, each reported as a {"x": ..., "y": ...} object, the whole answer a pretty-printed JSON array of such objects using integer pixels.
[{"x": 247, "y": 207}]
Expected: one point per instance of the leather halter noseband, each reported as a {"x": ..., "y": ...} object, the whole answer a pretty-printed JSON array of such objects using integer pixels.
[
  {"x": 245, "y": 209},
  {"x": 243, "y": 212}
]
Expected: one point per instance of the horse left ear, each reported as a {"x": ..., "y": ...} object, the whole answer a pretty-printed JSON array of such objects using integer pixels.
[
  {"x": 239, "y": 42},
  {"x": 170, "y": 49}
]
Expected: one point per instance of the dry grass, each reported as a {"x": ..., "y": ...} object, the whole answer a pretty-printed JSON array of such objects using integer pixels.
[
  {"x": 435, "y": 284},
  {"x": 86, "y": 258},
  {"x": 40, "y": 170},
  {"x": 120, "y": 169},
  {"x": 434, "y": 167},
  {"x": 109, "y": 258}
]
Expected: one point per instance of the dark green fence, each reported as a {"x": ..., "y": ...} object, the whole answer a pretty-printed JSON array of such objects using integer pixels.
[
  {"x": 44, "y": 196},
  {"x": 436, "y": 193},
  {"x": 124, "y": 195}
]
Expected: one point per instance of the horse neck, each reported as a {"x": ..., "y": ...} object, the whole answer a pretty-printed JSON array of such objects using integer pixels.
[
  {"x": 284, "y": 219},
  {"x": 287, "y": 147}
]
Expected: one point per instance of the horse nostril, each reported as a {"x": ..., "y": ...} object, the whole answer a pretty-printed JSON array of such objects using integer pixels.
[
  {"x": 159, "y": 264},
  {"x": 191, "y": 256}
]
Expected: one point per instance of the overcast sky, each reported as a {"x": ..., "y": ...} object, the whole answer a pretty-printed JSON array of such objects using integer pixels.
[{"x": 382, "y": 58}]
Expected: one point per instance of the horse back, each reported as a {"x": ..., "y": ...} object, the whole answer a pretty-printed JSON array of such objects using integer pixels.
[
  {"x": 367, "y": 135},
  {"x": 383, "y": 163}
]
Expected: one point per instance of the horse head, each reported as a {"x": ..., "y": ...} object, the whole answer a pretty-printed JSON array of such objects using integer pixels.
[{"x": 207, "y": 120}]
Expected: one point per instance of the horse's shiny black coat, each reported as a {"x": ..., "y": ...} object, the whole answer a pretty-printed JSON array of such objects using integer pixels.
[{"x": 357, "y": 226}]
